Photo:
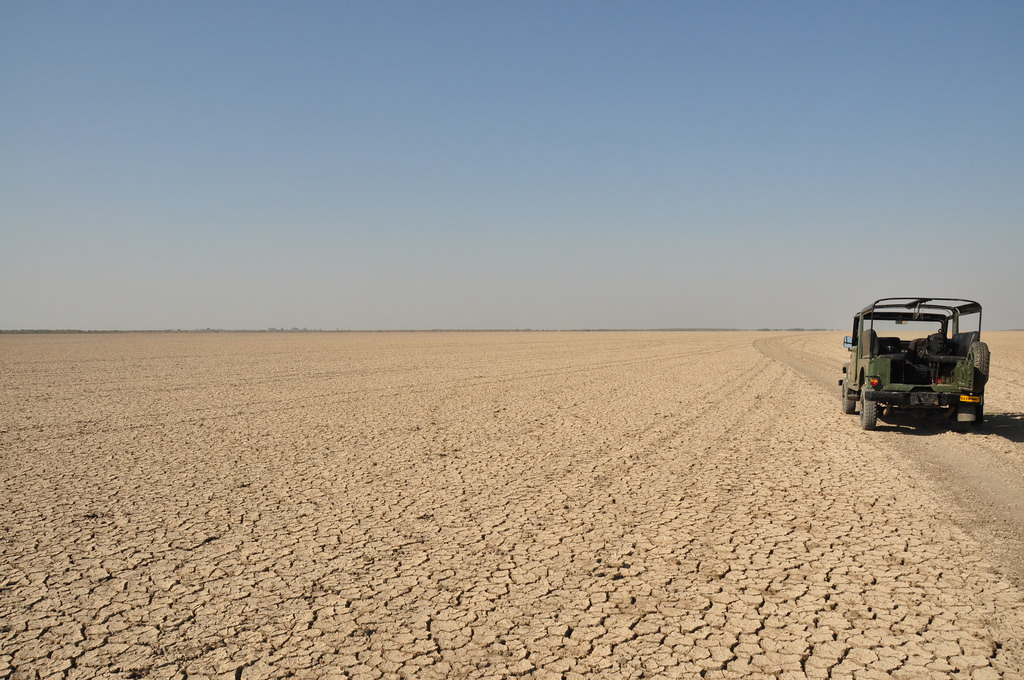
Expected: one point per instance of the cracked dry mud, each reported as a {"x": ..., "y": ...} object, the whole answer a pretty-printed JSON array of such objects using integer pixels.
[{"x": 482, "y": 505}]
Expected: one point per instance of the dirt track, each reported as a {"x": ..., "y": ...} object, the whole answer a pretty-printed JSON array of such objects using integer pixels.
[{"x": 493, "y": 504}]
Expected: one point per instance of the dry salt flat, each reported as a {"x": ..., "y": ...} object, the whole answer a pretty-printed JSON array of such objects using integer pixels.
[{"x": 488, "y": 505}]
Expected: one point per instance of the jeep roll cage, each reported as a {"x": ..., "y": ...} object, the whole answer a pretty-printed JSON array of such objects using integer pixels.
[{"x": 937, "y": 310}]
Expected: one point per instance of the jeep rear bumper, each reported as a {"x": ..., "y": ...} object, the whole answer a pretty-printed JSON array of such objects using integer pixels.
[{"x": 918, "y": 399}]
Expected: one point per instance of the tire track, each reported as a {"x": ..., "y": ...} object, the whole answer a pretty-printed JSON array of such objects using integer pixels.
[{"x": 980, "y": 477}]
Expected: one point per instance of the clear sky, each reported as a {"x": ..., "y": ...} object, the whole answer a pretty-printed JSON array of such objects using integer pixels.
[{"x": 419, "y": 165}]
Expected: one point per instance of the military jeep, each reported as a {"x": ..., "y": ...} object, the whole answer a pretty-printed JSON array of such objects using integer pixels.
[{"x": 916, "y": 355}]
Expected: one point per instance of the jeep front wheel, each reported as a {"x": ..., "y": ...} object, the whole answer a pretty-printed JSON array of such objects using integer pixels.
[{"x": 849, "y": 403}]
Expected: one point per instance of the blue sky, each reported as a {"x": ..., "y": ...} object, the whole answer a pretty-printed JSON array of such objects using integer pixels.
[{"x": 398, "y": 165}]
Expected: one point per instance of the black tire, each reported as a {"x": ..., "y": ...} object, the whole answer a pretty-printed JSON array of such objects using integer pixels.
[
  {"x": 868, "y": 412},
  {"x": 849, "y": 403},
  {"x": 979, "y": 354},
  {"x": 979, "y": 415}
]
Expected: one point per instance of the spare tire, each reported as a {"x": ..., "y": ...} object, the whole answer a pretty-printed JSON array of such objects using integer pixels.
[{"x": 980, "y": 357}]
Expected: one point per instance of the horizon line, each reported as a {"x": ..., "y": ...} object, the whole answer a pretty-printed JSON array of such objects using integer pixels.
[{"x": 70, "y": 331}]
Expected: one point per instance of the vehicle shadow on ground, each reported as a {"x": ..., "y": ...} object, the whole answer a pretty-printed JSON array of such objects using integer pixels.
[
  {"x": 1006, "y": 425},
  {"x": 1009, "y": 426}
]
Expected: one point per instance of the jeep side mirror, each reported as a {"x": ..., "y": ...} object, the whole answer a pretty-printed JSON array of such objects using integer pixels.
[{"x": 848, "y": 342}]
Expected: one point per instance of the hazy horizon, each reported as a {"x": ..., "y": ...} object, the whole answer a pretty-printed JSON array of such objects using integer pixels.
[
  {"x": 403, "y": 166},
  {"x": 57, "y": 331}
]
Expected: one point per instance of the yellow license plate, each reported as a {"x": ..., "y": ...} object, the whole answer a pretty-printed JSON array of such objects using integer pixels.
[{"x": 969, "y": 398}]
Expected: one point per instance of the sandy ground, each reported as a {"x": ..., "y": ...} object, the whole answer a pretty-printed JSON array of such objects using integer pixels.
[{"x": 485, "y": 505}]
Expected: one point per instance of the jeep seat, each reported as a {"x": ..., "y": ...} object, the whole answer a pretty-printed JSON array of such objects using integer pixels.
[{"x": 869, "y": 341}]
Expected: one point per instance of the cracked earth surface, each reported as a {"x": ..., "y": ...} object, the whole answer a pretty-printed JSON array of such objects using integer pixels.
[{"x": 482, "y": 505}]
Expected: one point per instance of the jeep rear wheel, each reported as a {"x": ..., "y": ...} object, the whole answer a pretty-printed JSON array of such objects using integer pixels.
[
  {"x": 979, "y": 415},
  {"x": 868, "y": 412}
]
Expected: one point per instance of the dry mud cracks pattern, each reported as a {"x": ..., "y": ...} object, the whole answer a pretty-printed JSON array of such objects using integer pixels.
[{"x": 548, "y": 505}]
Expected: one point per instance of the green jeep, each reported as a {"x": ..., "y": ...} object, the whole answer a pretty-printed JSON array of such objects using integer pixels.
[{"x": 916, "y": 353}]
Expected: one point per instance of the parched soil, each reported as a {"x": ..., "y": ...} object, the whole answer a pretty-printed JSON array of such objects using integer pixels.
[{"x": 490, "y": 505}]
